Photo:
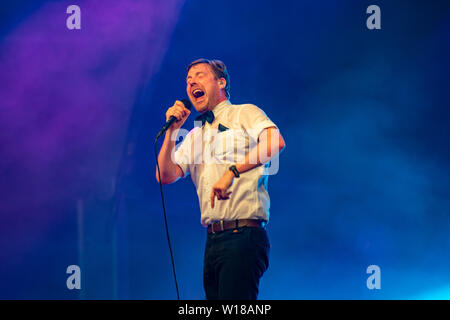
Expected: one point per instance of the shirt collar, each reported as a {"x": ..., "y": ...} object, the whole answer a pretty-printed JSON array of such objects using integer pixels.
[{"x": 218, "y": 109}]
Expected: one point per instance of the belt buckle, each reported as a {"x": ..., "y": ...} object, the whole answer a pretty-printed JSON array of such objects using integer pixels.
[{"x": 221, "y": 226}]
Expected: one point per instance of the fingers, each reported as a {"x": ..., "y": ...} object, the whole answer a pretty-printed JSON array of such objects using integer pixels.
[
  {"x": 224, "y": 195},
  {"x": 213, "y": 195},
  {"x": 221, "y": 194},
  {"x": 179, "y": 106},
  {"x": 178, "y": 110},
  {"x": 177, "y": 114},
  {"x": 180, "y": 103}
]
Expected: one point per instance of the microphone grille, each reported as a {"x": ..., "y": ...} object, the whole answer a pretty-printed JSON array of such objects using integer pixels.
[{"x": 187, "y": 103}]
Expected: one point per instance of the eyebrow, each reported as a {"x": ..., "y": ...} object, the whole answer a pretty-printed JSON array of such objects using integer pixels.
[{"x": 195, "y": 74}]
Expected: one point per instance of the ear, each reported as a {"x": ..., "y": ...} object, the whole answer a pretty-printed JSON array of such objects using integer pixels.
[{"x": 222, "y": 83}]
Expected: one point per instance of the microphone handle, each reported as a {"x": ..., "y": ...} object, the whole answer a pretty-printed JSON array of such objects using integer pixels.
[{"x": 166, "y": 126}]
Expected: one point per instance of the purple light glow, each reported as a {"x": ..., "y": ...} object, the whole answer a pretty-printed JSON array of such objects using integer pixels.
[{"x": 65, "y": 101}]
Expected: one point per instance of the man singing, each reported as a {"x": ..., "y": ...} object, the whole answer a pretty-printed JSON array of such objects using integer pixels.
[{"x": 227, "y": 156}]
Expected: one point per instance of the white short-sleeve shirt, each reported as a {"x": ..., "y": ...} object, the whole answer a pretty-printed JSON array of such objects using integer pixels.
[{"x": 207, "y": 151}]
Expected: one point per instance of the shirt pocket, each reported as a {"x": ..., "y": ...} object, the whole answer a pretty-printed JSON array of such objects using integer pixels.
[{"x": 230, "y": 146}]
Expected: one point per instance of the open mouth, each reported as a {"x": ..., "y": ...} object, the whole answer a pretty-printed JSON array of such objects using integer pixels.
[{"x": 197, "y": 93}]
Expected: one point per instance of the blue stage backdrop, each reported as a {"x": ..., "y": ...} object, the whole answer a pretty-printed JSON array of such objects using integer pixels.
[{"x": 363, "y": 181}]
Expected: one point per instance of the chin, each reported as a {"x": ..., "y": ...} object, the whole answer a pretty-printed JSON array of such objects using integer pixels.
[{"x": 202, "y": 106}]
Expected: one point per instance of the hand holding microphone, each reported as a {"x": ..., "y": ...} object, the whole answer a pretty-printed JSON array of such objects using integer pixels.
[
  {"x": 176, "y": 115},
  {"x": 180, "y": 112}
]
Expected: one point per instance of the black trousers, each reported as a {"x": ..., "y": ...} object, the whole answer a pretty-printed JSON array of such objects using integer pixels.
[{"x": 234, "y": 262}]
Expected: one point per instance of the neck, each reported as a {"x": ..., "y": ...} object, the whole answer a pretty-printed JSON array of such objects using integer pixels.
[{"x": 218, "y": 102}]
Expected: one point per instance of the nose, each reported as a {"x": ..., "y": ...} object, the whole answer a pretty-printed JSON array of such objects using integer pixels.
[
  {"x": 191, "y": 83},
  {"x": 191, "y": 79}
]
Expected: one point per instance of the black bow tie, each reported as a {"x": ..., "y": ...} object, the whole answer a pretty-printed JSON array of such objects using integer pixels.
[{"x": 207, "y": 116}]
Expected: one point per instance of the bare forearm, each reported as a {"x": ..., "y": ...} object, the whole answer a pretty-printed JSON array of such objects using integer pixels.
[
  {"x": 168, "y": 169},
  {"x": 270, "y": 144}
]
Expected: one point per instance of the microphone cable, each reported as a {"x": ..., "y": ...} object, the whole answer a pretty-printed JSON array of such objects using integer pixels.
[{"x": 165, "y": 219}]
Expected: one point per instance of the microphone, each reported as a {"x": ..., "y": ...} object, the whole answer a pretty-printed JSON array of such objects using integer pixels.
[{"x": 187, "y": 105}]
